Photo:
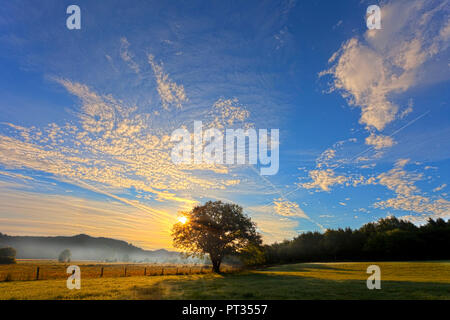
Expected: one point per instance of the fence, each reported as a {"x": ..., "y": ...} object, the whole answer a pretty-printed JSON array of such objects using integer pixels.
[{"x": 28, "y": 272}]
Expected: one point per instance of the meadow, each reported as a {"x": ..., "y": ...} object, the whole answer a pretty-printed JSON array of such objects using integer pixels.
[
  {"x": 399, "y": 280},
  {"x": 28, "y": 270}
]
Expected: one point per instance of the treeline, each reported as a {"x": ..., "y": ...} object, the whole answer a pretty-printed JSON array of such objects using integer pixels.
[{"x": 386, "y": 239}]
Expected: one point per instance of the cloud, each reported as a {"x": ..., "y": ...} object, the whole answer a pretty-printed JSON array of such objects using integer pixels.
[
  {"x": 368, "y": 72},
  {"x": 169, "y": 92},
  {"x": 400, "y": 180},
  {"x": 334, "y": 156},
  {"x": 408, "y": 195},
  {"x": 379, "y": 141},
  {"x": 70, "y": 215},
  {"x": 442, "y": 186},
  {"x": 227, "y": 112},
  {"x": 323, "y": 179},
  {"x": 273, "y": 228},
  {"x": 288, "y": 209},
  {"x": 337, "y": 24},
  {"x": 127, "y": 56},
  {"x": 439, "y": 208},
  {"x": 112, "y": 147}
]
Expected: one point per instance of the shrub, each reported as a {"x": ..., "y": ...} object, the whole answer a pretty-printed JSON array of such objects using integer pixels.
[
  {"x": 7, "y": 255},
  {"x": 65, "y": 256}
]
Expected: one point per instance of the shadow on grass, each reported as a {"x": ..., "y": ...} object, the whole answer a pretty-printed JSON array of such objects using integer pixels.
[
  {"x": 303, "y": 267},
  {"x": 271, "y": 286}
]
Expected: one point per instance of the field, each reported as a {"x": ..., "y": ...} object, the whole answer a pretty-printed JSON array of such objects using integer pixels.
[
  {"x": 399, "y": 280},
  {"x": 49, "y": 269}
]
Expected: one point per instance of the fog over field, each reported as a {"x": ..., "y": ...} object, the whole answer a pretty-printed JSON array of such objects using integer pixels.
[{"x": 84, "y": 247}]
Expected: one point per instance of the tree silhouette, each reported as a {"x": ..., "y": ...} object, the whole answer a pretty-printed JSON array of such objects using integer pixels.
[
  {"x": 65, "y": 256},
  {"x": 7, "y": 255},
  {"x": 217, "y": 229}
]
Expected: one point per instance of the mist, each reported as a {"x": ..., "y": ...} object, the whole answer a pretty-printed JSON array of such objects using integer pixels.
[{"x": 84, "y": 247}]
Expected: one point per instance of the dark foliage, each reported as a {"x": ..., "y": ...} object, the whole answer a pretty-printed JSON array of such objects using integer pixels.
[
  {"x": 386, "y": 239},
  {"x": 7, "y": 255}
]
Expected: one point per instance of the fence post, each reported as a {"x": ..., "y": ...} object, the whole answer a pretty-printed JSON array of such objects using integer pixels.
[
  {"x": 145, "y": 271},
  {"x": 190, "y": 270},
  {"x": 176, "y": 273},
  {"x": 125, "y": 272},
  {"x": 162, "y": 271},
  {"x": 201, "y": 269},
  {"x": 101, "y": 273},
  {"x": 37, "y": 273}
]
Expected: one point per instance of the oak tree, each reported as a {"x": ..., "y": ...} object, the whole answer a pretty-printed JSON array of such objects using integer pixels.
[{"x": 216, "y": 229}]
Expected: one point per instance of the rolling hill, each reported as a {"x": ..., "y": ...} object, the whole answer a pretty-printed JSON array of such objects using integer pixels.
[{"x": 84, "y": 247}]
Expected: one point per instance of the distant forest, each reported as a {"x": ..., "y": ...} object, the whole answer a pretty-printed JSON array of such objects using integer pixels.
[{"x": 386, "y": 239}]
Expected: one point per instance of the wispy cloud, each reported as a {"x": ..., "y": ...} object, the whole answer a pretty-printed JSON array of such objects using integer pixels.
[
  {"x": 113, "y": 146},
  {"x": 127, "y": 56},
  {"x": 408, "y": 195},
  {"x": 323, "y": 179},
  {"x": 288, "y": 209},
  {"x": 169, "y": 92},
  {"x": 69, "y": 215}
]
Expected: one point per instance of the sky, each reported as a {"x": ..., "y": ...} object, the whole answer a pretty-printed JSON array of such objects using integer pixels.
[{"x": 86, "y": 115}]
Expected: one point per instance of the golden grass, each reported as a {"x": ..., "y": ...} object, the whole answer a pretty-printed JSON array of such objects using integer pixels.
[
  {"x": 438, "y": 272},
  {"x": 27, "y": 269},
  {"x": 399, "y": 280}
]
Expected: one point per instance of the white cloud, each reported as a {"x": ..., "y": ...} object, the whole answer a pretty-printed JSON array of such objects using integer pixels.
[
  {"x": 112, "y": 148},
  {"x": 408, "y": 195},
  {"x": 288, "y": 208},
  {"x": 400, "y": 180},
  {"x": 379, "y": 141},
  {"x": 388, "y": 61},
  {"x": 323, "y": 179}
]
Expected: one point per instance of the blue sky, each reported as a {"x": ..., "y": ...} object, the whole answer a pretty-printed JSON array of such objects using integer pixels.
[{"x": 86, "y": 115}]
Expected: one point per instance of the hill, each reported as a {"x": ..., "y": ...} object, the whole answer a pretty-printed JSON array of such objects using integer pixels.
[{"x": 84, "y": 247}]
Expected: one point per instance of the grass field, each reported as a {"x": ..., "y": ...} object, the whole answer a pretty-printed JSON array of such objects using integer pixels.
[
  {"x": 399, "y": 280},
  {"x": 50, "y": 269}
]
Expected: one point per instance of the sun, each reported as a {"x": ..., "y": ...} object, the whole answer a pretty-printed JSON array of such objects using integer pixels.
[{"x": 182, "y": 219}]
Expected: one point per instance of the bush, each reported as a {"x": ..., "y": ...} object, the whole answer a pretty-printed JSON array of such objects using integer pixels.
[
  {"x": 7, "y": 255},
  {"x": 65, "y": 256}
]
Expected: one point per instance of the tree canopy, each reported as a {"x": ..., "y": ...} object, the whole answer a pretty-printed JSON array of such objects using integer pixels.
[{"x": 217, "y": 229}]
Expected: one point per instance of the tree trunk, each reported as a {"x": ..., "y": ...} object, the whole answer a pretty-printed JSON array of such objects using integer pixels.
[{"x": 216, "y": 261}]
